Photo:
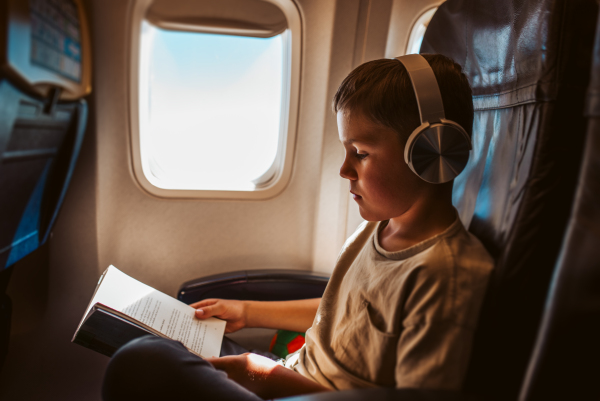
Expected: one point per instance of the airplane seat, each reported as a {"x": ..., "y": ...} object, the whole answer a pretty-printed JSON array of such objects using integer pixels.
[
  {"x": 43, "y": 78},
  {"x": 564, "y": 364},
  {"x": 528, "y": 63},
  {"x": 529, "y": 66}
]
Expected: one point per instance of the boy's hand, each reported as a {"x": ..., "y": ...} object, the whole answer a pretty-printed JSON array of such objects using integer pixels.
[
  {"x": 234, "y": 312},
  {"x": 265, "y": 377}
]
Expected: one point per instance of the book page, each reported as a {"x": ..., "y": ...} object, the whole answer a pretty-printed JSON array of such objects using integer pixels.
[{"x": 165, "y": 314}]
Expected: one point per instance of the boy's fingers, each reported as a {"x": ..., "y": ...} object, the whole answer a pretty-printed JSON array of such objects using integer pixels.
[
  {"x": 208, "y": 311},
  {"x": 204, "y": 302},
  {"x": 219, "y": 362},
  {"x": 225, "y": 363},
  {"x": 214, "y": 361}
]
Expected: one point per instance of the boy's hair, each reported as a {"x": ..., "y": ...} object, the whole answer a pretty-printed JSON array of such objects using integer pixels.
[{"x": 382, "y": 91}]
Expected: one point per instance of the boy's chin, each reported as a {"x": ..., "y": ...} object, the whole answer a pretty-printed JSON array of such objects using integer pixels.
[
  {"x": 375, "y": 215},
  {"x": 368, "y": 215}
]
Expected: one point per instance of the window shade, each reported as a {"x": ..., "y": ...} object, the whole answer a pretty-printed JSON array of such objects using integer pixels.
[{"x": 256, "y": 18}]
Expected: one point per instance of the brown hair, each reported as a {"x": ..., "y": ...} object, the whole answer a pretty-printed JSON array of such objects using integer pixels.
[{"x": 382, "y": 91}]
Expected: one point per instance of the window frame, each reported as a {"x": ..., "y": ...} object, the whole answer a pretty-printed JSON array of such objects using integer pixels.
[
  {"x": 277, "y": 177},
  {"x": 425, "y": 15}
]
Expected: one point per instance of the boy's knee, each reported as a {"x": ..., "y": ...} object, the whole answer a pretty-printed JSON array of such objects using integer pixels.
[
  {"x": 144, "y": 353},
  {"x": 148, "y": 346},
  {"x": 151, "y": 368},
  {"x": 145, "y": 367}
]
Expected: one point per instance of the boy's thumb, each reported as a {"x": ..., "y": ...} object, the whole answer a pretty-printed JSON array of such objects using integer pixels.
[{"x": 203, "y": 313}]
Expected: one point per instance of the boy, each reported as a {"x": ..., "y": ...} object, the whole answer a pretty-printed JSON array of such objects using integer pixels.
[{"x": 403, "y": 300}]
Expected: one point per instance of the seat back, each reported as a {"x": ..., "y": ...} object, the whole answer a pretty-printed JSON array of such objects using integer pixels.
[
  {"x": 45, "y": 70},
  {"x": 39, "y": 146},
  {"x": 528, "y": 64},
  {"x": 564, "y": 364}
]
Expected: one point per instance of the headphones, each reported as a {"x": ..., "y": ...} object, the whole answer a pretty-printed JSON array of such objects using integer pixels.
[{"x": 438, "y": 150}]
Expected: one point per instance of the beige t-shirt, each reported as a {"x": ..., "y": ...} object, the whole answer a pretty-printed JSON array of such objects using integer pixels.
[{"x": 398, "y": 319}]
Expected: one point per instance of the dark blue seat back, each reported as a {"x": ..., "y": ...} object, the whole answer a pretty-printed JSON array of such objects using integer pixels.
[
  {"x": 528, "y": 63},
  {"x": 564, "y": 364},
  {"x": 44, "y": 50},
  {"x": 39, "y": 145},
  {"x": 40, "y": 141}
]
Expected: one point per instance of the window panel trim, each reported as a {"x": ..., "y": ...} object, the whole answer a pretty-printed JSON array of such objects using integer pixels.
[
  {"x": 271, "y": 183},
  {"x": 424, "y": 16}
]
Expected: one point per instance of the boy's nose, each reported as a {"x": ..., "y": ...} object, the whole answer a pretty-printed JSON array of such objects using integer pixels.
[{"x": 346, "y": 171}]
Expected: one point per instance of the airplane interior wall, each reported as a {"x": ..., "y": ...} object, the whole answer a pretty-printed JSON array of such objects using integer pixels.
[{"x": 107, "y": 218}]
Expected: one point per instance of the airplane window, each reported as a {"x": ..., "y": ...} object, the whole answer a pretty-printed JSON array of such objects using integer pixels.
[
  {"x": 418, "y": 32},
  {"x": 211, "y": 109}
]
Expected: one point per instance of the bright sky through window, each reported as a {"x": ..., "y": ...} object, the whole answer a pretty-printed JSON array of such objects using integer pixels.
[{"x": 210, "y": 108}]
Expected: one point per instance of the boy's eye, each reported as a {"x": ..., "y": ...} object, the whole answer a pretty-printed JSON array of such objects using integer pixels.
[{"x": 361, "y": 156}]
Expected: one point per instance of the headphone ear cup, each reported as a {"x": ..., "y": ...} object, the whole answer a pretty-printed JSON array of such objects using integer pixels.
[{"x": 439, "y": 153}]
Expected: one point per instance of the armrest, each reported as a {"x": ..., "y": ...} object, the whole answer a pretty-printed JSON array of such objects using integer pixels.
[
  {"x": 256, "y": 285},
  {"x": 386, "y": 394}
]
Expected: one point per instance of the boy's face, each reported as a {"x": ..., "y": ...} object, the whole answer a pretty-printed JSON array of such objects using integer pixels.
[{"x": 381, "y": 183}]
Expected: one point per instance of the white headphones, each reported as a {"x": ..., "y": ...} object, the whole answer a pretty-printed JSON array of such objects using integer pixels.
[{"x": 438, "y": 150}]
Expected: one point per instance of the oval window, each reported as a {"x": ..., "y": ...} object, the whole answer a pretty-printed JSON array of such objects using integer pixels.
[
  {"x": 210, "y": 108},
  {"x": 216, "y": 98}
]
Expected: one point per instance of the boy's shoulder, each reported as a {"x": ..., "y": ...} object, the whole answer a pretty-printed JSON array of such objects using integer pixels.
[
  {"x": 450, "y": 277},
  {"x": 459, "y": 252},
  {"x": 454, "y": 252},
  {"x": 455, "y": 248}
]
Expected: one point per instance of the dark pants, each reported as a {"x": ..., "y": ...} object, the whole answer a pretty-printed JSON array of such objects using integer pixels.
[{"x": 153, "y": 368}]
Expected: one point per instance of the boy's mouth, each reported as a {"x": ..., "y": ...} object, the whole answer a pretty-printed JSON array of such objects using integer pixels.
[{"x": 355, "y": 196}]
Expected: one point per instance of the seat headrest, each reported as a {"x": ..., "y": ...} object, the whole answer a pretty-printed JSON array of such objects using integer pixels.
[
  {"x": 510, "y": 50},
  {"x": 45, "y": 48}
]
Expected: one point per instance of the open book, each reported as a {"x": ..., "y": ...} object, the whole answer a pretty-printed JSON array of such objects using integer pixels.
[{"x": 122, "y": 309}]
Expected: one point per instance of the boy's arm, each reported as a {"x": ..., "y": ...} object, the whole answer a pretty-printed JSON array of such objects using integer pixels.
[
  {"x": 265, "y": 377},
  {"x": 287, "y": 315}
]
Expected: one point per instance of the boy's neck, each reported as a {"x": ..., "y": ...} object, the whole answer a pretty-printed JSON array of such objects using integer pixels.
[{"x": 427, "y": 217}]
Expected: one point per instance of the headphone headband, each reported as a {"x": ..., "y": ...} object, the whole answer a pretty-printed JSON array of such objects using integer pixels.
[{"x": 425, "y": 86}]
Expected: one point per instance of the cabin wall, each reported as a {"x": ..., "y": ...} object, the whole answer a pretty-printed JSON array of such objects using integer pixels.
[
  {"x": 360, "y": 35},
  {"x": 164, "y": 242}
]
